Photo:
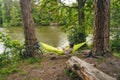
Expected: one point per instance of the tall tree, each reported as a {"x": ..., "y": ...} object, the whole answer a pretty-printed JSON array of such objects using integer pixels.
[
  {"x": 81, "y": 4},
  {"x": 0, "y": 13},
  {"x": 7, "y": 6},
  {"x": 101, "y": 27},
  {"x": 30, "y": 38}
]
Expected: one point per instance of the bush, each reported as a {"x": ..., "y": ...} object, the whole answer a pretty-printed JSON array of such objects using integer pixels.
[
  {"x": 76, "y": 34},
  {"x": 115, "y": 41},
  {"x": 11, "y": 54}
]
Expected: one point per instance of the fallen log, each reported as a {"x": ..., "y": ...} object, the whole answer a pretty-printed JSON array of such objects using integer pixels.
[{"x": 85, "y": 70}]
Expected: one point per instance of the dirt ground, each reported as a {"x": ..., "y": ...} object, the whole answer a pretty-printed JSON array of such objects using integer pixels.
[
  {"x": 52, "y": 67},
  {"x": 49, "y": 68},
  {"x": 110, "y": 66}
]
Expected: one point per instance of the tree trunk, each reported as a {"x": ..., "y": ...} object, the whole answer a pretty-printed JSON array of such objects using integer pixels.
[
  {"x": 101, "y": 27},
  {"x": 0, "y": 13},
  {"x": 30, "y": 38},
  {"x": 85, "y": 70},
  {"x": 81, "y": 4}
]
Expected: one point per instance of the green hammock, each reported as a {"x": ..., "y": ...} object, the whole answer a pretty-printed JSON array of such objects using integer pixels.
[
  {"x": 49, "y": 48},
  {"x": 77, "y": 46}
]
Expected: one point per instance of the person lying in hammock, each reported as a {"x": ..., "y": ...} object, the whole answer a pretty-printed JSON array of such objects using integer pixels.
[
  {"x": 67, "y": 50},
  {"x": 60, "y": 51}
]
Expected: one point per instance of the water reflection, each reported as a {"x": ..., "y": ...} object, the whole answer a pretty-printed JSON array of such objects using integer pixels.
[
  {"x": 50, "y": 35},
  {"x": 1, "y": 47}
]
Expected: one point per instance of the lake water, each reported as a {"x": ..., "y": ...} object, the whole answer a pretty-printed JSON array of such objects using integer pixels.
[{"x": 50, "y": 35}]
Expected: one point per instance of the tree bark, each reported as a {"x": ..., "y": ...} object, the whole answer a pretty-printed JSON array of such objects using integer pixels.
[
  {"x": 29, "y": 32},
  {"x": 81, "y": 4},
  {"x": 101, "y": 27},
  {"x": 85, "y": 70},
  {"x": 1, "y": 21}
]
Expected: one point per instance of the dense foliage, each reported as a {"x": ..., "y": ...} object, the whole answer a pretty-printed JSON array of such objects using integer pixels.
[
  {"x": 11, "y": 54},
  {"x": 54, "y": 11},
  {"x": 115, "y": 13},
  {"x": 115, "y": 39},
  {"x": 76, "y": 34},
  {"x": 115, "y": 25},
  {"x": 44, "y": 12},
  {"x": 51, "y": 11},
  {"x": 16, "y": 18}
]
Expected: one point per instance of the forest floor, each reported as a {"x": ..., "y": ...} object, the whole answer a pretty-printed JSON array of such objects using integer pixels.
[{"x": 53, "y": 67}]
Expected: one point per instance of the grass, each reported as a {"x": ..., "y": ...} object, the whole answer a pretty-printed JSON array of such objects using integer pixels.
[
  {"x": 32, "y": 60},
  {"x": 116, "y": 54},
  {"x": 71, "y": 74},
  {"x": 23, "y": 72},
  {"x": 14, "y": 67},
  {"x": 3, "y": 77}
]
